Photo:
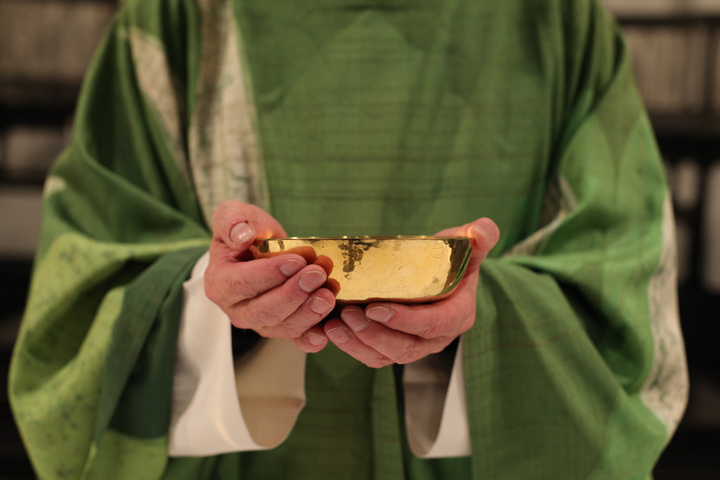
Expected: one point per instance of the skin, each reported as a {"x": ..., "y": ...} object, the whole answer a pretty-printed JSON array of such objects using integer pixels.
[{"x": 285, "y": 297}]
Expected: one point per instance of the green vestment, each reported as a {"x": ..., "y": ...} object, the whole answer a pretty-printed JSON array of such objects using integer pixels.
[{"x": 362, "y": 117}]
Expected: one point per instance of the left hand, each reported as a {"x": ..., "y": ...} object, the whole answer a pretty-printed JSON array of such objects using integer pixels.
[{"x": 385, "y": 333}]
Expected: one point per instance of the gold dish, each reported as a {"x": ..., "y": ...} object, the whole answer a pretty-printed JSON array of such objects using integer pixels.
[{"x": 365, "y": 269}]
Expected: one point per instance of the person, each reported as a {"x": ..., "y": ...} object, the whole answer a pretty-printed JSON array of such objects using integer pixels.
[{"x": 204, "y": 125}]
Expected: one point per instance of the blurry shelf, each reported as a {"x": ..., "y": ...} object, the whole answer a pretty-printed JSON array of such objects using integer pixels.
[
  {"x": 19, "y": 94},
  {"x": 651, "y": 9},
  {"x": 691, "y": 127},
  {"x": 680, "y": 18}
]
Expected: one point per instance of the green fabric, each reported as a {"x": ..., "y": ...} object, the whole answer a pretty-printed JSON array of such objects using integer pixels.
[
  {"x": 120, "y": 456},
  {"x": 116, "y": 202},
  {"x": 372, "y": 118},
  {"x": 152, "y": 343}
]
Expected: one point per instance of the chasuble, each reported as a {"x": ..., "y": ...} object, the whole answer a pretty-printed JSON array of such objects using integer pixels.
[{"x": 362, "y": 117}]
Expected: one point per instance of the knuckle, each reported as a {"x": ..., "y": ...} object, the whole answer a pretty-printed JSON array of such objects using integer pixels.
[
  {"x": 296, "y": 296},
  {"x": 373, "y": 339},
  {"x": 266, "y": 332},
  {"x": 216, "y": 286},
  {"x": 467, "y": 324},
  {"x": 241, "y": 285},
  {"x": 410, "y": 354},
  {"x": 438, "y": 347},
  {"x": 454, "y": 319},
  {"x": 239, "y": 321},
  {"x": 218, "y": 219},
  {"x": 290, "y": 331},
  {"x": 214, "y": 294},
  {"x": 224, "y": 208},
  {"x": 434, "y": 329},
  {"x": 211, "y": 275},
  {"x": 378, "y": 362},
  {"x": 264, "y": 314}
]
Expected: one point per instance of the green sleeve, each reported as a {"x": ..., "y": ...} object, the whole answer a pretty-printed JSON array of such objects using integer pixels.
[
  {"x": 121, "y": 231},
  {"x": 575, "y": 365}
]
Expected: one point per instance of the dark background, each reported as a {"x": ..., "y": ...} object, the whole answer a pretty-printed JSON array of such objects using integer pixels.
[{"x": 45, "y": 46}]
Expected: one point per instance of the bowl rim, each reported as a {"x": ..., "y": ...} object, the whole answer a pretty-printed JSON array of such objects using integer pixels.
[{"x": 366, "y": 237}]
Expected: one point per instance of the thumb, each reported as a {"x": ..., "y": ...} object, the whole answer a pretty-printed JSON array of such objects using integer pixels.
[
  {"x": 483, "y": 234},
  {"x": 238, "y": 224}
]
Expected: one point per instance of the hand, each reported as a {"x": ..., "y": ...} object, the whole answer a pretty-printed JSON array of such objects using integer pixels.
[
  {"x": 385, "y": 333},
  {"x": 277, "y": 297}
]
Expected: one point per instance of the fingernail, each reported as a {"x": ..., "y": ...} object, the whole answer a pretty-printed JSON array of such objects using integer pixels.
[
  {"x": 487, "y": 233},
  {"x": 314, "y": 339},
  {"x": 319, "y": 306},
  {"x": 242, "y": 233},
  {"x": 355, "y": 320},
  {"x": 291, "y": 266},
  {"x": 311, "y": 281},
  {"x": 338, "y": 335},
  {"x": 379, "y": 314}
]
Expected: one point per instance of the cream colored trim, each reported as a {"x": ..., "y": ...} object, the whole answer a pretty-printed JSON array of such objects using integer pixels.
[
  {"x": 53, "y": 185},
  {"x": 224, "y": 152},
  {"x": 270, "y": 384},
  {"x": 157, "y": 86},
  {"x": 666, "y": 389},
  {"x": 436, "y": 407},
  {"x": 558, "y": 202}
]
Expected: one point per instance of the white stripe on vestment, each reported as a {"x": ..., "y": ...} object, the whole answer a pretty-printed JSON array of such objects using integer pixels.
[
  {"x": 666, "y": 389},
  {"x": 558, "y": 202},
  {"x": 224, "y": 152},
  {"x": 158, "y": 88}
]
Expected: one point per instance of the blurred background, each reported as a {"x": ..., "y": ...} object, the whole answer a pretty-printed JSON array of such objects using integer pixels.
[{"x": 45, "y": 47}]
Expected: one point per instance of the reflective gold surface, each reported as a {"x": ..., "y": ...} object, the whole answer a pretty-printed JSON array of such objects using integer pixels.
[{"x": 403, "y": 269}]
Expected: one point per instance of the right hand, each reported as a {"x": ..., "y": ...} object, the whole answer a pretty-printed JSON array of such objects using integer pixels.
[{"x": 277, "y": 297}]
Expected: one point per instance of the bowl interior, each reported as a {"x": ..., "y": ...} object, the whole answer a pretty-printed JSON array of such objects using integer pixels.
[{"x": 404, "y": 269}]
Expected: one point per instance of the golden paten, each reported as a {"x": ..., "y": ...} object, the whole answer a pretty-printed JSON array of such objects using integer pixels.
[{"x": 403, "y": 269}]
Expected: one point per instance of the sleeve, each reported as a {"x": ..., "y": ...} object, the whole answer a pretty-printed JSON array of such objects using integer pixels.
[
  {"x": 90, "y": 379},
  {"x": 435, "y": 406},
  {"x": 575, "y": 367},
  {"x": 220, "y": 405}
]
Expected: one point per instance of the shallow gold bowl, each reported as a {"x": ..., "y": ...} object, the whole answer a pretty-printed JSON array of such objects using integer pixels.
[{"x": 403, "y": 269}]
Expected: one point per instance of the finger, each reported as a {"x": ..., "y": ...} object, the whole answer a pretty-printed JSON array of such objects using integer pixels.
[
  {"x": 446, "y": 318},
  {"x": 483, "y": 234},
  {"x": 308, "y": 315},
  {"x": 228, "y": 282},
  {"x": 375, "y": 344},
  {"x": 237, "y": 224},
  {"x": 313, "y": 340},
  {"x": 344, "y": 338},
  {"x": 274, "y": 306}
]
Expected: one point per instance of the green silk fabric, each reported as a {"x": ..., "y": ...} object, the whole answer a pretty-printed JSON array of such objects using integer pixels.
[{"x": 371, "y": 118}]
